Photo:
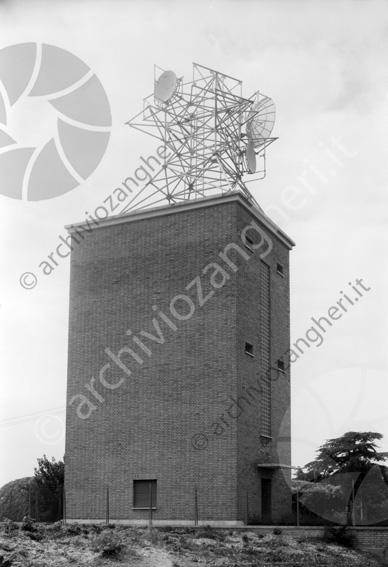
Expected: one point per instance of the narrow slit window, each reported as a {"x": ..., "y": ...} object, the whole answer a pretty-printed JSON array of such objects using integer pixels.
[
  {"x": 280, "y": 269},
  {"x": 249, "y": 349},
  {"x": 281, "y": 366}
]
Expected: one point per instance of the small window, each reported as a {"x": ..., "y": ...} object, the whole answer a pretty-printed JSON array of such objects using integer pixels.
[
  {"x": 143, "y": 491},
  {"x": 281, "y": 366},
  {"x": 249, "y": 349},
  {"x": 249, "y": 243},
  {"x": 280, "y": 269}
]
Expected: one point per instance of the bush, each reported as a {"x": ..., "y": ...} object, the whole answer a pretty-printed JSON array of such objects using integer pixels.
[
  {"x": 340, "y": 535},
  {"x": 72, "y": 529},
  {"x": 55, "y": 530},
  {"x": 36, "y": 536},
  {"x": 9, "y": 525},
  {"x": 107, "y": 527},
  {"x": 210, "y": 533},
  {"x": 28, "y": 524},
  {"x": 277, "y": 531},
  {"x": 48, "y": 489},
  {"x": 153, "y": 535},
  {"x": 189, "y": 530},
  {"x": 108, "y": 544},
  {"x": 14, "y": 499}
]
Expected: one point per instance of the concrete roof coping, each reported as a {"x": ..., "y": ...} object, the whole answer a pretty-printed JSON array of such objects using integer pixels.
[{"x": 235, "y": 196}]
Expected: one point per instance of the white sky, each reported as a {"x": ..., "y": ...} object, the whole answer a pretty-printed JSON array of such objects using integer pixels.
[{"x": 324, "y": 64}]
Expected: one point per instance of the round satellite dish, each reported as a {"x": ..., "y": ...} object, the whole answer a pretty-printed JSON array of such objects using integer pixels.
[
  {"x": 251, "y": 157},
  {"x": 165, "y": 86},
  {"x": 261, "y": 120}
]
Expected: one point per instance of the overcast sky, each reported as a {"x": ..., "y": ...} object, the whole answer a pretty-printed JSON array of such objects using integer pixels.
[{"x": 324, "y": 63}]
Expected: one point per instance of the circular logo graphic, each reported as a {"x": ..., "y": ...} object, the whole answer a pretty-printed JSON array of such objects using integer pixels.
[
  {"x": 28, "y": 280},
  {"x": 50, "y": 429},
  {"x": 199, "y": 441},
  {"x": 55, "y": 121}
]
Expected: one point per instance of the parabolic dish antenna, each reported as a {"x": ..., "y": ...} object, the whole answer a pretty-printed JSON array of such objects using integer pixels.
[
  {"x": 261, "y": 120},
  {"x": 165, "y": 86},
  {"x": 251, "y": 157},
  {"x": 212, "y": 135}
]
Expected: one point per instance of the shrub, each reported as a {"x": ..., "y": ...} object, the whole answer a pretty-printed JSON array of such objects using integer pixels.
[
  {"x": 277, "y": 531},
  {"x": 72, "y": 529},
  {"x": 96, "y": 528},
  {"x": 210, "y": 533},
  {"x": 207, "y": 532},
  {"x": 153, "y": 535},
  {"x": 14, "y": 499},
  {"x": 55, "y": 531},
  {"x": 189, "y": 530},
  {"x": 28, "y": 524},
  {"x": 107, "y": 527},
  {"x": 47, "y": 487},
  {"x": 36, "y": 536},
  {"x": 9, "y": 525},
  {"x": 340, "y": 535},
  {"x": 108, "y": 544},
  {"x": 250, "y": 551}
]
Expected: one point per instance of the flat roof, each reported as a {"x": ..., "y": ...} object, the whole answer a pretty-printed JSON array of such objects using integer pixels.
[{"x": 236, "y": 196}]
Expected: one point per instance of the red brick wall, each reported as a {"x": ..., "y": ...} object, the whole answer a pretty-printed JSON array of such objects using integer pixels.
[
  {"x": 373, "y": 540},
  {"x": 252, "y": 448},
  {"x": 144, "y": 427},
  {"x": 370, "y": 540}
]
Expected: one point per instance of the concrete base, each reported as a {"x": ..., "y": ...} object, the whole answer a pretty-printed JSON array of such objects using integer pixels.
[{"x": 156, "y": 523}]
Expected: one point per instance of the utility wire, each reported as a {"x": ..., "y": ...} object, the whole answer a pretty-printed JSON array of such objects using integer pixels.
[{"x": 31, "y": 416}]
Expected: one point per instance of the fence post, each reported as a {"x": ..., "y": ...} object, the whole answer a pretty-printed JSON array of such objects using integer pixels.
[
  {"x": 150, "y": 504},
  {"x": 64, "y": 504},
  {"x": 37, "y": 505},
  {"x": 297, "y": 508},
  {"x": 353, "y": 505},
  {"x": 10, "y": 505},
  {"x": 107, "y": 504},
  {"x": 59, "y": 504},
  {"x": 29, "y": 500},
  {"x": 195, "y": 505},
  {"x": 246, "y": 506}
]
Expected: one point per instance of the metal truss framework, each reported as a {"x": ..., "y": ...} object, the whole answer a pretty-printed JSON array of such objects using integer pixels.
[{"x": 213, "y": 135}]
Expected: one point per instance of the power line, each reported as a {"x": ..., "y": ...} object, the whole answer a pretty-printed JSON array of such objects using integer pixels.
[{"x": 31, "y": 416}]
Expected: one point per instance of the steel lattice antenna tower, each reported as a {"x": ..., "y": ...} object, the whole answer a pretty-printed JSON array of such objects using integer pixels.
[{"x": 212, "y": 132}]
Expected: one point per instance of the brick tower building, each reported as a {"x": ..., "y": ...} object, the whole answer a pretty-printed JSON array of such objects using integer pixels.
[{"x": 178, "y": 378}]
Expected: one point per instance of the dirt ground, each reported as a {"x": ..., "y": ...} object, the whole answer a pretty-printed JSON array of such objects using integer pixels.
[{"x": 101, "y": 546}]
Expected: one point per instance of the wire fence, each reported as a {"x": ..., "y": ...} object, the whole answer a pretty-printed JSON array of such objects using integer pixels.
[
  {"x": 41, "y": 504},
  {"x": 45, "y": 505}
]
